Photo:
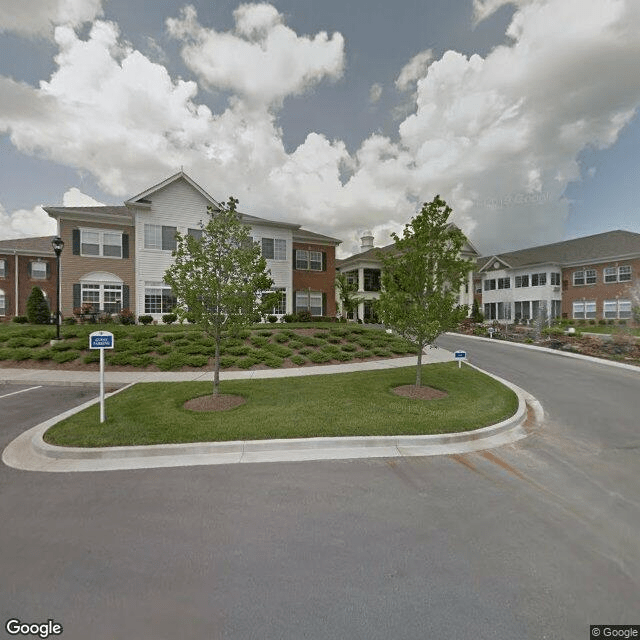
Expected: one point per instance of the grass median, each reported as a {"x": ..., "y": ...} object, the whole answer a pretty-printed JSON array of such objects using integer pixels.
[{"x": 346, "y": 404}]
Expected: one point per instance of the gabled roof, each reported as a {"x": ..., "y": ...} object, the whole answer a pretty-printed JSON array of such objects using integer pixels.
[
  {"x": 489, "y": 263},
  {"x": 142, "y": 199},
  {"x": 599, "y": 247},
  {"x": 35, "y": 246},
  {"x": 103, "y": 213},
  {"x": 302, "y": 235}
]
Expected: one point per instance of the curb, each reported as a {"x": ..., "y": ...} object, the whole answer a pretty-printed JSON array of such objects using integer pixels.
[
  {"x": 557, "y": 352},
  {"x": 30, "y": 452}
]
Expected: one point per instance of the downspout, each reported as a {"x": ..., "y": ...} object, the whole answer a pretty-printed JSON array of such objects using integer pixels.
[{"x": 15, "y": 253}]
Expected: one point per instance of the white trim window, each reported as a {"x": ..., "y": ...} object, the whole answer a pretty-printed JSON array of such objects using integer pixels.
[
  {"x": 522, "y": 281},
  {"x": 617, "y": 274},
  {"x": 157, "y": 236},
  {"x": 158, "y": 298},
  {"x": 309, "y": 301},
  {"x": 617, "y": 309},
  {"x": 586, "y": 276},
  {"x": 490, "y": 285},
  {"x": 3, "y": 303},
  {"x": 308, "y": 260},
  {"x": 504, "y": 283},
  {"x": 38, "y": 270},
  {"x": 281, "y": 307},
  {"x": 3, "y": 268},
  {"x": 104, "y": 244},
  {"x": 584, "y": 309},
  {"x": 555, "y": 279},
  {"x": 538, "y": 279},
  {"x": 274, "y": 248},
  {"x": 522, "y": 310},
  {"x": 105, "y": 297}
]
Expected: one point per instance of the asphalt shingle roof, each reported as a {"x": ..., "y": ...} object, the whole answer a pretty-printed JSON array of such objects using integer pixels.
[{"x": 41, "y": 244}]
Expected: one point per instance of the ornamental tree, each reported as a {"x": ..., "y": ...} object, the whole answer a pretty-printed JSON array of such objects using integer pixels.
[
  {"x": 422, "y": 277},
  {"x": 218, "y": 278},
  {"x": 37, "y": 307},
  {"x": 346, "y": 294}
]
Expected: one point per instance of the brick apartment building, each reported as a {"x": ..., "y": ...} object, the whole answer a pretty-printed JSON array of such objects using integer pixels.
[
  {"x": 115, "y": 257},
  {"x": 589, "y": 278},
  {"x": 25, "y": 263}
]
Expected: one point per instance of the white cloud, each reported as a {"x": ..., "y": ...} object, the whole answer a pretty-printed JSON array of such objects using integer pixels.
[
  {"x": 24, "y": 223},
  {"x": 73, "y": 197},
  {"x": 262, "y": 61},
  {"x": 375, "y": 92},
  {"x": 414, "y": 70},
  {"x": 497, "y": 137},
  {"x": 38, "y": 17}
]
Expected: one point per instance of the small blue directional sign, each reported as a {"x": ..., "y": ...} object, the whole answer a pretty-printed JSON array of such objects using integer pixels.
[
  {"x": 101, "y": 340},
  {"x": 460, "y": 355}
]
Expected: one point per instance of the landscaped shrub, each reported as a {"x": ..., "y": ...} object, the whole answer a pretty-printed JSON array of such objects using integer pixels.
[
  {"x": 227, "y": 361},
  {"x": 92, "y": 356},
  {"x": 298, "y": 359},
  {"x": 65, "y": 356},
  {"x": 239, "y": 350},
  {"x": 288, "y": 317},
  {"x": 304, "y": 316},
  {"x": 164, "y": 349},
  {"x": 334, "y": 339},
  {"x": 247, "y": 363},
  {"x": 259, "y": 341},
  {"x": 20, "y": 319},
  {"x": 23, "y": 341},
  {"x": 305, "y": 351},
  {"x": 281, "y": 338},
  {"x": 37, "y": 307},
  {"x": 321, "y": 334},
  {"x": 343, "y": 356},
  {"x": 311, "y": 341},
  {"x": 169, "y": 318},
  {"x": 349, "y": 348},
  {"x": 69, "y": 320},
  {"x": 319, "y": 357},
  {"x": 145, "y": 319},
  {"x": 592, "y": 322},
  {"x": 331, "y": 348},
  {"x": 42, "y": 354},
  {"x": 382, "y": 353},
  {"x": 265, "y": 333},
  {"x": 272, "y": 318},
  {"x": 296, "y": 344},
  {"x": 278, "y": 350},
  {"x": 602, "y": 322}
]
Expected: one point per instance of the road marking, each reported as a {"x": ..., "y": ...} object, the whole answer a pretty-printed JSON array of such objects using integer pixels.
[{"x": 13, "y": 393}]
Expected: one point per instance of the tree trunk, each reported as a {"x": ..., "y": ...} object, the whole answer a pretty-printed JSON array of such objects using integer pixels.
[
  {"x": 419, "y": 368},
  {"x": 216, "y": 366}
]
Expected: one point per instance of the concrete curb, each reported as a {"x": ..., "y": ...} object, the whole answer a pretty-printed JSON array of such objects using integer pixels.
[
  {"x": 557, "y": 352},
  {"x": 29, "y": 451}
]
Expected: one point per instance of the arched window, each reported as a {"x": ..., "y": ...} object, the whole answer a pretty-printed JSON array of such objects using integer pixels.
[{"x": 102, "y": 290}]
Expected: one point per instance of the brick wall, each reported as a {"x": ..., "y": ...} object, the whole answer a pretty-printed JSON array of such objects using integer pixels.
[
  {"x": 317, "y": 280},
  {"x": 74, "y": 267},
  {"x": 600, "y": 291}
]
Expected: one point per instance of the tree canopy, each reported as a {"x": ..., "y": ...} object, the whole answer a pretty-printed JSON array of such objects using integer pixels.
[
  {"x": 422, "y": 277},
  {"x": 37, "y": 307},
  {"x": 218, "y": 278},
  {"x": 346, "y": 294}
]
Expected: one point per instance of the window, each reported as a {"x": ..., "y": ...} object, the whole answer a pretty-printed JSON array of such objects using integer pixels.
[
  {"x": 556, "y": 308},
  {"x": 615, "y": 309},
  {"x": 195, "y": 233},
  {"x": 274, "y": 249},
  {"x": 39, "y": 270},
  {"x": 624, "y": 273},
  {"x": 3, "y": 268},
  {"x": 504, "y": 311},
  {"x": 100, "y": 243},
  {"x": 352, "y": 277},
  {"x": 489, "y": 285},
  {"x": 371, "y": 279},
  {"x": 590, "y": 276},
  {"x": 281, "y": 307},
  {"x": 2, "y": 303},
  {"x": 102, "y": 297},
  {"x": 584, "y": 309},
  {"x": 309, "y": 301},
  {"x": 158, "y": 298},
  {"x": 538, "y": 279},
  {"x": 522, "y": 310},
  {"x": 555, "y": 279},
  {"x": 504, "y": 283},
  {"x": 522, "y": 281},
  {"x": 159, "y": 237},
  {"x": 308, "y": 260}
]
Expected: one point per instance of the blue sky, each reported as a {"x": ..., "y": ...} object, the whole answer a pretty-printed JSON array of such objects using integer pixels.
[{"x": 343, "y": 117}]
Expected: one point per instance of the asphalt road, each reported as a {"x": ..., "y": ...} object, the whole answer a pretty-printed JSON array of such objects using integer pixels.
[{"x": 535, "y": 540}]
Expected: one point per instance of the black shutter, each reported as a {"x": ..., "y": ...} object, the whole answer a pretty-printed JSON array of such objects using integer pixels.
[
  {"x": 48, "y": 270},
  {"x": 125, "y": 245},
  {"x": 324, "y": 260},
  {"x": 324, "y": 303},
  {"x": 75, "y": 236},
  {"x": 125, "y": 296},
  {"x": 77, "y": 295},
  {"x": 29, "y": 268},
  {"x": 294, "y": 252}
]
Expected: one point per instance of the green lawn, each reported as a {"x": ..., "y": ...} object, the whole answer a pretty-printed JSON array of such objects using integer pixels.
[{"x": 347, "y": 404}]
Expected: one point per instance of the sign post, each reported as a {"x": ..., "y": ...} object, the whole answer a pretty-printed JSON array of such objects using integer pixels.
[
  {"x": 460, "y": 356},
  {"x": 101, "y": 340}
]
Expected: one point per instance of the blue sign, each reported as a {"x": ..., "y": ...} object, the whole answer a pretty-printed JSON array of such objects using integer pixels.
[
  {"x": 101, "y": 340},
  {"x": 460, "y": 355}
]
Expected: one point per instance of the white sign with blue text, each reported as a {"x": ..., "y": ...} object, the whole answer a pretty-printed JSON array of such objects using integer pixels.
[
  {"x": 101, "y": 340},
  {"x": 460, "y": 356}
]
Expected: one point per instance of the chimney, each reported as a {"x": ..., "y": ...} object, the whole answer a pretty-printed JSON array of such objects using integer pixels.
[{"x": 366, "y": 241}]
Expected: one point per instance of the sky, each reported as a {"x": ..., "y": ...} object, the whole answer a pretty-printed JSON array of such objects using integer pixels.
[{"x": 343, "y": 117}]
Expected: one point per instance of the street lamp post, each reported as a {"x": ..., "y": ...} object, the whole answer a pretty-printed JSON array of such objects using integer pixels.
[{"x": 58, "y": 246}]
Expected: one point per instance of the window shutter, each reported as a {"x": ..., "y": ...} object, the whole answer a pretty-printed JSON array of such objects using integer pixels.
[
  {"x": 295, "y": 256},
  {"x": 125, "y": 296},
  {"x": 48, "y": 270},
  {"x": 324, "y": 260},
  {"x": 324, "y": 302},
  {"x": 29, "y": 268},
  {"x": 75, "y": 236},
  {"x": 125, "y": 245},
  {"x": 77, "y": 295}
]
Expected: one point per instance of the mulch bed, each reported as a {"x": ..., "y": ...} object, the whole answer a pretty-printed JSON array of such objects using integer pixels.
[
  {"x": 419, "y": 393},
  {"x": 220, "y": 402}
]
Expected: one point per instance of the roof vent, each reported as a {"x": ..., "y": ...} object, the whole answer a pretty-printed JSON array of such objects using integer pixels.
[{"x": 366, "y": 241}]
